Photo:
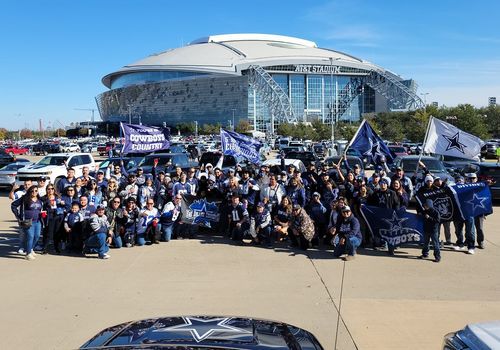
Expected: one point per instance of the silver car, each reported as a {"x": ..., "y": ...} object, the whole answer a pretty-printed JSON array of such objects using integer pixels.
[
  {"x": 8, "y": 173},
  {"x": 476, "y": 336}
]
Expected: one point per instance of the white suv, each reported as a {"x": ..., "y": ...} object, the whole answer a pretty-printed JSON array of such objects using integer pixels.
[{"x": 54, "y": 166}]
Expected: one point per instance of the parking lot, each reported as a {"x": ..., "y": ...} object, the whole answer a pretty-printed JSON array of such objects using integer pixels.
[{"x": 57, "y": 302}]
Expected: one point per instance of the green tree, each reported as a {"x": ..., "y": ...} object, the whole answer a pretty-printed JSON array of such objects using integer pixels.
[
  {"x": 243, "y": 126},
  {"x": 26, "y": 134},
  {"x": 3, "y": 133}
]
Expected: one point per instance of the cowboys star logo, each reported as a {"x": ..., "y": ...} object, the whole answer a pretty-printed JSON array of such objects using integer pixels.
[
  {"x": 454, "y": 143},
  {"x": 395, "y": 222},
  {"x": 201, "y": 329},
  {"x": 477, "y": 202},
  {"x": 374, "y": 150}
]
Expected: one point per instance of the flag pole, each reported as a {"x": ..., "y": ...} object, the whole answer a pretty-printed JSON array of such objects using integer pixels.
[
  {"x": 354, "y": 137},
  {"x": 423, "y": 145}
]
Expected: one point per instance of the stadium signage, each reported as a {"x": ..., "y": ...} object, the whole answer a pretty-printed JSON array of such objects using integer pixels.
[{"x": 310, "y": 68}]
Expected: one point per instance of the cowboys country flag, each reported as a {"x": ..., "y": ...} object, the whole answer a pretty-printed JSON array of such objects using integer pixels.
[
  {"x": 446, "y": 139},
  {"x": 474, "y": 199}
]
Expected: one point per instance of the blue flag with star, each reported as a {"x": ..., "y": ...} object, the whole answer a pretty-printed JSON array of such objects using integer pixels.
[
  {"x": 369, "y": 144},
  {"x": 396, "y": 227},
  {"x": 474, "y": 199}
]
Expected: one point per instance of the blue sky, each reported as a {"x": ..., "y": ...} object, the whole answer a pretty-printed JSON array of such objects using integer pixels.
[{"x": 54, "y": 53}]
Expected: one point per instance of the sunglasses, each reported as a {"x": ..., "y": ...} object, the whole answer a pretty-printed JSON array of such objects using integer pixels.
[
  {"x": 50, "y": 188},
  {"x": 117, "y": 202},
  {"x": 149, "y": 203}
]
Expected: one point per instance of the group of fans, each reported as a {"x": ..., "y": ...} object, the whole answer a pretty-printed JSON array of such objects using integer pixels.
[{"x": 261, "y": 206}]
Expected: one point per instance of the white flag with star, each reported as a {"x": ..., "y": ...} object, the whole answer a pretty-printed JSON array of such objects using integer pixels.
[{"x": 446, "y": 139}]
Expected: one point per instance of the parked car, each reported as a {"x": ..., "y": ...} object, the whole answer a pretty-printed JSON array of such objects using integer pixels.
[
  {"x": 44, "y": 148},
  {"x": 489, "y": 150},
  {"x": 453, "y": 164},
  {"x": 104, "y": 148},
  {"x": 305, "y": 157},
  {"x": 434, "y": 165},
  {"x": 15, "y": 150},
  {"x": 486, "y": 172},
  {"x": 320, "y": 150},
  {"x": 54, "y": 166},
  {"x": 8, "y": 173},
  {"x": 213, "y": 158},
  {"x": 128, "y": 163},
  {"x": 275, "y": 165},
  {"x": 166, "y": 162},
  {"x": 5, "y": 158},
  {"x": 398, "y": 151},
  {"x": 204, "y": 332},
  {"x": 351, "y": 160},
  {"x": 69, "y": 147},
  {"x": 476, "y": 336}
]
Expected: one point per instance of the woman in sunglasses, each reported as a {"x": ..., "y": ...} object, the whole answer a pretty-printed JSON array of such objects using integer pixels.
[
  {"x": 53, "y": 213},
  {"x": 27, "y": 211}
]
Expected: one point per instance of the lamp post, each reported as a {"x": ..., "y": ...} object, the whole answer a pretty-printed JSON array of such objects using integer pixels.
[
  {"x": 331, "y": 101},
  {"x": 129, "y": 113},
  {"x": 233, "y": 117},
  {"x": 424, "y": 94}
]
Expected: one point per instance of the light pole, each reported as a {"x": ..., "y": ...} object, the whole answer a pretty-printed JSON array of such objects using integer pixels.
[
  {"x": 129, "y": 113},
  {"x": 233, "y": 117},
  {"x": 424, "y": 94},
  {"x": 331, "y": 100}
]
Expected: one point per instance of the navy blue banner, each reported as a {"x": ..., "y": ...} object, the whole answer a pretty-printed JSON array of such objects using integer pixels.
[
  {"x": 199, "y": 211},
  {"x": 368, "y": 143},
  {"x": 394, "y": 226},
  {"x": 144, "y": 139},
  {"x": 238, "y": 145},
  {"x": 474, "y": 199}
]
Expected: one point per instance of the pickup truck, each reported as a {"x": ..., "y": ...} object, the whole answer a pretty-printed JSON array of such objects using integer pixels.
[
  {"x": 103, "y": 149},
  {"x": 15, "y": 150},
  {"x": 54, "y": 167}
]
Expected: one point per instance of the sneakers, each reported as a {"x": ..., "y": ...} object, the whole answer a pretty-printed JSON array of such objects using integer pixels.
[
  {"x": 448, "y": 243},
  {"x": 423, "y": 256},
  {"x": 349, "y": 258},
  {"x": 436, "y": 260},
  {"x": 471, "y": 251},
  {"x": 105, "y": 256},
  {"x": 458, "y": 247},
  {"x": 30, "y": 257},
  {"x": 480, "y": 245},
  {"x": 128, "y": 245},
  {"x": 21, "y": 251}
]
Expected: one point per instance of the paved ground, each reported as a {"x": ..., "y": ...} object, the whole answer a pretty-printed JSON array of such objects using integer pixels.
[{"x": 57, "y": 302}]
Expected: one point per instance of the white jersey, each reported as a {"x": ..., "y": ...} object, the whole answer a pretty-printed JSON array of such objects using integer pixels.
[{"x": 145, "y": 220}]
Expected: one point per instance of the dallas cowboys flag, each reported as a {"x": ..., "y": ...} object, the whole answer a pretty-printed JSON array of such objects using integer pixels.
[
  {"x": 446, "y": 139},
  {"x": 240, "y": 146},
  {"x": 474, "y": 199},
  {"x": 199, "y": 211},
  {"x": 368, "y": 143},
  {"x": 142, "y": 138},
  {"x": 394, "y": 226}
]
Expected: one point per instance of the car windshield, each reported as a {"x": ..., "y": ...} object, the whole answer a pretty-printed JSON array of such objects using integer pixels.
[
  {"x": 433, "y": 165},
  {"x": 398, "y": 149},
  {"x": 12, "y": 167},
  {"x": 53, "y": 160},
  {"x": 149, "y": 161}
]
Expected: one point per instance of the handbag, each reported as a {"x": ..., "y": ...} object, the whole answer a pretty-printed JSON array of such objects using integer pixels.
[{"x": 25, "y": 223}]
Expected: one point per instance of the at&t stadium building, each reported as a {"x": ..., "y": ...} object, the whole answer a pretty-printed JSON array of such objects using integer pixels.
[{"x": 265, "y": 79}]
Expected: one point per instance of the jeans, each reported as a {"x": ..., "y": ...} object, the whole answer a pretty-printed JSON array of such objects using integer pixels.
[
  {"x": 470, "y": 233},
  {"x": 265, "y": 235},
  {"x": 166, "y": 232},
  {"x": 350, "y": 245},
  {"x": 447, "y": 230},
  {"x": 140, "y": 239},
  {"x": 97, "y": 244},
  {"x": 459, "y": 232},
  {"x": 478, "y": 223},
  {"x": 432, "y": 233},
  {"x": 117, "y": 241},
  {"x": 32, "y": 235}
]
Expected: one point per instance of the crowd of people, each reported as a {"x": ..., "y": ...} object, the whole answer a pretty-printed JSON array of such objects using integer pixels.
[{"x": 262, "y": 206}]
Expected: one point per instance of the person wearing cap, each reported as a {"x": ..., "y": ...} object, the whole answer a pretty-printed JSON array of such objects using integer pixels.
[
  {"x": 319, "y": 214},
  {"x": 431, "y": 230},
  {"x": 404, "y": 180},
  {"x": 384, "y": 198},
  {"x": 238, "y": 218},
  {"x": 131, "y": 189},
  {"x": 117, "y": 174},
  {"x": 290, "y": 170},
  {"x": 283, "y": 178},
  {"x": 374, "y": 182},
  {"x": 248, "y": 189},
  {"x": 42, "y": 184},
  {"x": 262, "y": 177},
  {"x": 348, "y": 231},
  {"x": 101, "y": 181},
  {"x": 131, "y": 218},
  {"x": 260, "y": 225},
  {"x": 427, "y": 187},
  {"x": 302, "y": 227},
  {"x": 68, "y": 180},
  {"x": 101, "y": 236}
]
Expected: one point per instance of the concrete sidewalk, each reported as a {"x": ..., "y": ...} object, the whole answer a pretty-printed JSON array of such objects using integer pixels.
[{"x": 58, "y": 302}]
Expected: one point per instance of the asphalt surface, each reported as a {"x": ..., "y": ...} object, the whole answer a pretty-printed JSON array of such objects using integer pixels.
[{"x": 58, "y": 302}]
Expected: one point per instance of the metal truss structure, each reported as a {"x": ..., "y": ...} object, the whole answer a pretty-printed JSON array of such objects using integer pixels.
[{"x": 273, "y": 95}]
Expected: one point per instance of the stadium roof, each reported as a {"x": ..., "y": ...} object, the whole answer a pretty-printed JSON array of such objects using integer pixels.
[{"x": 232, "y": 53}]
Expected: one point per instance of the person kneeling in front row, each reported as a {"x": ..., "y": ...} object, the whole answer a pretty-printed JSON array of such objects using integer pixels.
[{"x": 349, "y": 233}]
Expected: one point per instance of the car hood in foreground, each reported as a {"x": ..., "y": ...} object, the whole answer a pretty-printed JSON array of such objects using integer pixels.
[{"x": 204, "y": 332}]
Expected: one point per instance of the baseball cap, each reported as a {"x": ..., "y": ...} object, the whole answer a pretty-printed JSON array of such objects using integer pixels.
[
  {"x": 100, "y": 206},
  {"x": 283, "y": 172},
  {"x": 399, "y": 168},
  {"x": 100, "y": 172},
  {"x": 376, "y": 175},
  {"x": 140, "y": 169},
  {"x": 316, "y": 194},
  {"x": 471, "y": 175},
  {"x": 261, "y": 204},
  {"x": 356, "y": 166},
  {"x": 231, "y": 170},
  {"x": 384, "y": 181},
  {"x": 296, "y": 206},
  {"x": 42, "y": 178},
  {"x": 346, "y": 208}
]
